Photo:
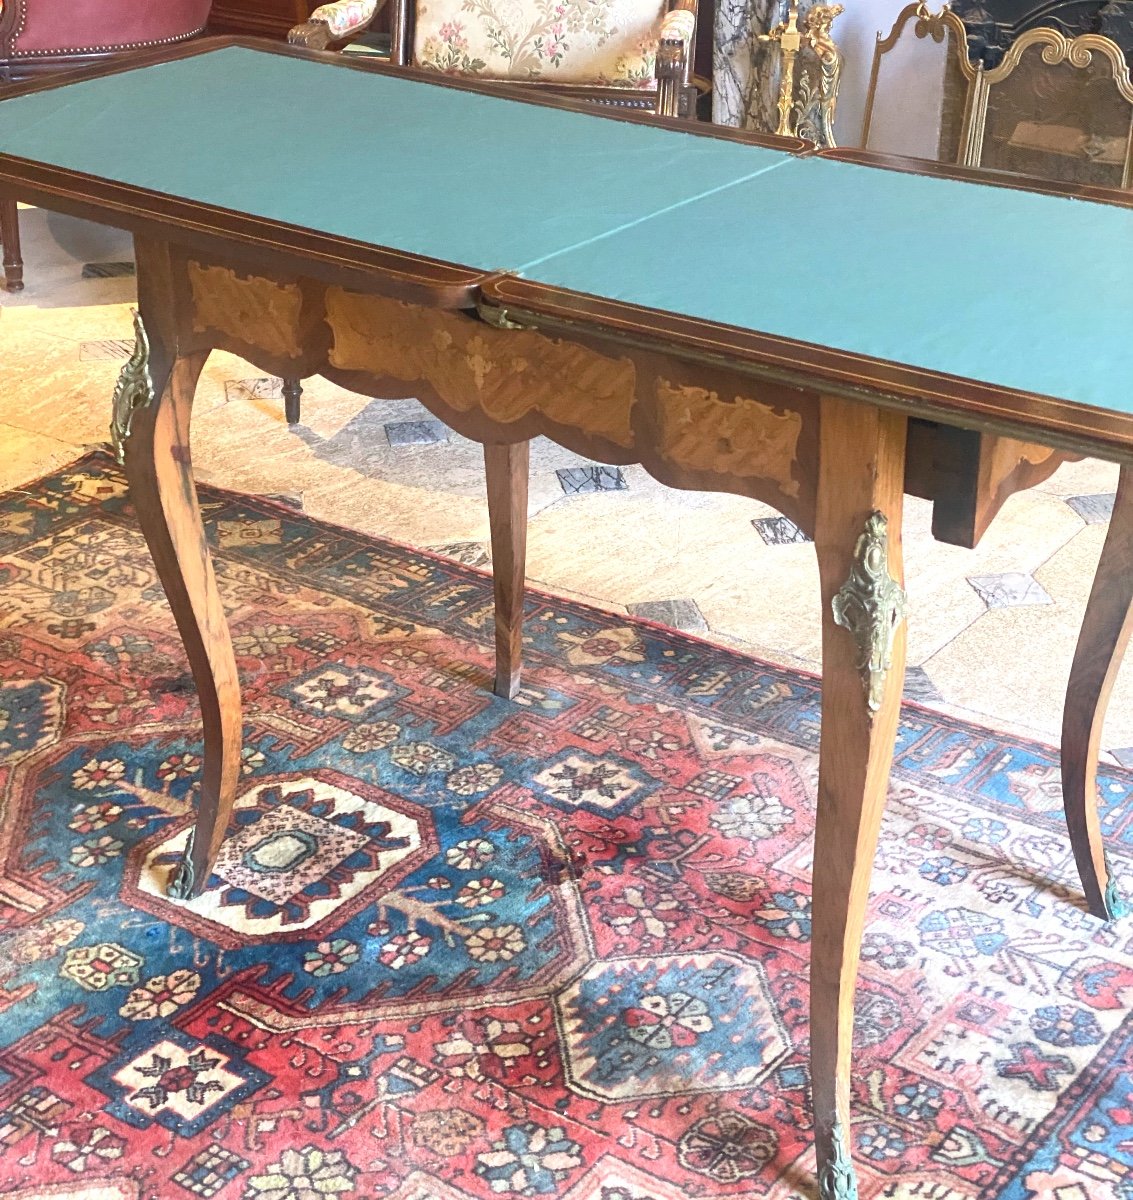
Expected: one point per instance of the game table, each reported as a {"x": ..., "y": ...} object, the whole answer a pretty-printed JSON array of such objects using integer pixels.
[{"x": 820, "y": 331}]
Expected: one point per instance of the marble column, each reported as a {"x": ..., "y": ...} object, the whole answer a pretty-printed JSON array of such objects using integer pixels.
[{"x": 745, "y": 75}]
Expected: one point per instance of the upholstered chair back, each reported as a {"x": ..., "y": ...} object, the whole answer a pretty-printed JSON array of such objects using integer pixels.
[
  {"x": 31, "y": 30},
  {"x": 919, "y": 88},
  {"x": 595, "y": 42}
]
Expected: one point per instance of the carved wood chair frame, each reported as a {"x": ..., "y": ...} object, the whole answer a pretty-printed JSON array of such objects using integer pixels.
[{"x": 936, "y": 26}]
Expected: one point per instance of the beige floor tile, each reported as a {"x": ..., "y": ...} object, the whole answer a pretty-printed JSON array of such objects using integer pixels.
[
  {"x": 605, "y": 544},
  {"x": 1069, "y": 574},
  {"x": 60, "y": 402},
  {"x": 1027, "y": 685},
  {"x": 1026, "y": 688},
  {"x": 1087, "y": 477}
]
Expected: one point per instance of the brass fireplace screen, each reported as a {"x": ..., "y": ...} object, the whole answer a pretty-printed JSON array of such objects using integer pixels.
[{"x": 1056, "y": 107}]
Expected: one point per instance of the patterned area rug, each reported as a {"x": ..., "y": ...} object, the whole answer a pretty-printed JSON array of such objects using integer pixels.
[{"x": 462, "y": 947}]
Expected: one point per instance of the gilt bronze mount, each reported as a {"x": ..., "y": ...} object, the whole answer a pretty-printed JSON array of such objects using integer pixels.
[
  {"x": 1115, "y": 904},
  {"x": 871, "y": 605},
  {"x": 836, "y": 1179},
  {"x": 134, "y": 390},
  {"x": 810, "y": 114},
  {"x": 180, "y": 886}
]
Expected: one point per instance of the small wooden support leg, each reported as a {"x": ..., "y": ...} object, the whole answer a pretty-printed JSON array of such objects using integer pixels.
[
  {"x": 10, "y": 242},
  {"x": 1106, "y": 629},
  {"x": 858, "y": 540},
  {"x": 506, "y": 468},
  {"x": 292, "y": 392},
  {"x": 151, "y": 430}
]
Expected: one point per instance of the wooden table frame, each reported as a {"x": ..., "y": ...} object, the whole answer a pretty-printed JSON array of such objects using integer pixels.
[{"x": 830, "y": 439}]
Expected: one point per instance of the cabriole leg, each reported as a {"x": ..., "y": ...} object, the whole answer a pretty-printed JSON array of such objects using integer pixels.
[
  {"x": 1106, "y": 629},
  {"x": 858, "y": 540},
  {"x": 506, "y": 468},
  {"x": 153, "y": 437}
]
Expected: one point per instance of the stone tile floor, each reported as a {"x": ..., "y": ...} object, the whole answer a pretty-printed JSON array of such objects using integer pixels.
[{"x": 992, "y": 630}]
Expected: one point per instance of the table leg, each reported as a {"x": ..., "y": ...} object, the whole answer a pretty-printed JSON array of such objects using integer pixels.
[
  {"x": 1106, "y": 629},
  {"x": 153, "y": 404},
  {"x": 858, "y": 541},
  {"x": 10, "y": 242},
  {"x": 506, "y": 468}
]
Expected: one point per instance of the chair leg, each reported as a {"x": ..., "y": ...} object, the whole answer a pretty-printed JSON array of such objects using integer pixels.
[
  {"x": 10, "y": 240},
  {"x": 1106, "y": 629},
  {"x": 292, "y": 391},
  {"x": 506, "y": 468}
]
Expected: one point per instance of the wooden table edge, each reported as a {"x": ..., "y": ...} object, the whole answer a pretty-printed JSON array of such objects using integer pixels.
[
  {"x": 1120, "y": 197},
  {"x": 524, "y": 92},
  {"x": 254, "y": 241},
  {"x": 950, "y": 399}
]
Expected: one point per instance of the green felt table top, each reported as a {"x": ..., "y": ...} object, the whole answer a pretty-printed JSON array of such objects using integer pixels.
[
  {"x": 1006, "y": 287},
  {"x": 468, "y": 178},
  {"x": 1000, "y": 286}
]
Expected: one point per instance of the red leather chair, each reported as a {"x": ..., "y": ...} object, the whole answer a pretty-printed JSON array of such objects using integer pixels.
[{"x": 44, "y": 35}]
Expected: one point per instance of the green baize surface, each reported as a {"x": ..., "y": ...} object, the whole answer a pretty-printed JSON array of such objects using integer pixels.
[{"x": 992, "y": 284}]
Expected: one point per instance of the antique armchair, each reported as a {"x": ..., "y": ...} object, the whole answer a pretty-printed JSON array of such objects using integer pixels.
[
  {"x": 919, "y": 87},
  {"x": 629, "y": 53},
  {"x": 44, "y": 35},
  {"x": 632, "y": 54}
]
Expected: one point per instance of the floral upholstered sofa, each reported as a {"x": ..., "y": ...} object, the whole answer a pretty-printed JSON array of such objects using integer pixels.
[{"x": 615, "y": 51}]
